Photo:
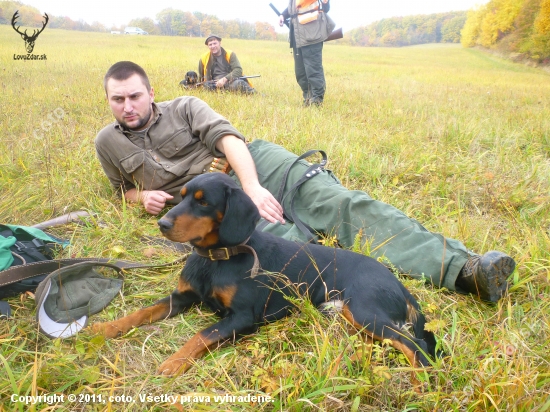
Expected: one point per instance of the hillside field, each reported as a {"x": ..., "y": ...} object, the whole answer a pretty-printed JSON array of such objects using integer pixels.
[{"x": 455, "y": 138}]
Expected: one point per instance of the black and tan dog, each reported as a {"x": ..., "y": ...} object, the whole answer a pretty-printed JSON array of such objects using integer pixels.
[
  {"x": 190, "y": 80},
  {"x": 219, "y": 219}
]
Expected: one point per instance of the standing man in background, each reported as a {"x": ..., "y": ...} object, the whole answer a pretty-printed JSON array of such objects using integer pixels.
[{"x": 309, "y": 28}]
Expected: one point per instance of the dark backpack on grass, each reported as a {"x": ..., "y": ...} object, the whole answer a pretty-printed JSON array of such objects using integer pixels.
[
  {"x": 26, "y": 259},
  {"x": 21, "y": 245}
]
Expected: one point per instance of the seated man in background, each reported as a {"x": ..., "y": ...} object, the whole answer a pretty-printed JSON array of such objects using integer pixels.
[
  {"x": 220, "y": 68},
  {"x": 153, "y": 149}
]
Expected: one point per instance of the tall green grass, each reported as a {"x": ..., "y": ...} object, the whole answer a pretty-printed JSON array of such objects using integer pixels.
[{"x": 455, "y": 138}]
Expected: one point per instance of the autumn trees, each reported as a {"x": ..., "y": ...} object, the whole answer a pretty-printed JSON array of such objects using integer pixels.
[{"x": 520, "y": 26}]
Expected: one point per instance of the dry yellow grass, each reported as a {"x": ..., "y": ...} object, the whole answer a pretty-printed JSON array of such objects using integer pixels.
[{"x": 455, "y": 138}]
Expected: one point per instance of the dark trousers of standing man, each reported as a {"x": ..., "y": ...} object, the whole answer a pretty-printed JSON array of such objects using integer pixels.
[{"x": 308, "y": 66}]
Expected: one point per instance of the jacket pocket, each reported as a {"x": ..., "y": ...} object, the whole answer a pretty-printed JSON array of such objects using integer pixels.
[
  {"x": 317, "y": 30},
  {"x": 177, "y": 144},
  {"x": 312, "y": 32},
  {"x": 144, "y": 171}
]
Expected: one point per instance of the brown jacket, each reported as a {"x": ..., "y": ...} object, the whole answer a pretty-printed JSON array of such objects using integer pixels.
[{"x": 180, "y": 144}]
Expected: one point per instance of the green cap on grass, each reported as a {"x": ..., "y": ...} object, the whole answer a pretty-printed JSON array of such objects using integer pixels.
[{"x": 70, "y": 294}]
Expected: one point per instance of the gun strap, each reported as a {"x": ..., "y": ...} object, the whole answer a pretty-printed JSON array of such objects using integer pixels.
[{"x": 290, "y": 213}]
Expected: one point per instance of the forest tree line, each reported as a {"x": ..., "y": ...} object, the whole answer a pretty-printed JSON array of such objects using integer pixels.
[
  {"x": 516, "y": 26},
  {"x": 521, "y": 27},
  {"x": 410, "y": 30},
  {"x": 169, "y": 22}
]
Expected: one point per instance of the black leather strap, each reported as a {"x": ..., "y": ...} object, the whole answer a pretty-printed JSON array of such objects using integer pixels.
[
  {"x": 225, "y": 253},
  {"x": 22, "y": 272},
  {"x": 322, "y": 164},
  {"x": 312, "y": 171}
]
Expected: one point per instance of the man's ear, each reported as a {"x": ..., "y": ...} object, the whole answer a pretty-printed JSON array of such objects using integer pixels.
[
  {"x": 152, "y": 95},
  {"x": 240, "y": 218}
]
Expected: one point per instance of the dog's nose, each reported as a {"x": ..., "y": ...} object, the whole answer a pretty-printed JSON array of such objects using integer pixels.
[{"x": 165, "y": 225}]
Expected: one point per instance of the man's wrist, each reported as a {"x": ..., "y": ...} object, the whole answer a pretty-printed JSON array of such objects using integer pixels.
[
  {"x": 136, "y": 196},
  {"x": 250, "y": 186},
  {"x": 141, "y": 195}
]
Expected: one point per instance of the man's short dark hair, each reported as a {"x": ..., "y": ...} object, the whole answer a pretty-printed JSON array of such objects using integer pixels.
[{"x": 124, "y": 70}]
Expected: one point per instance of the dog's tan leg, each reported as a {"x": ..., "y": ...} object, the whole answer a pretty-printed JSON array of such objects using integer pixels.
[
  {"x": 181, "y": 299},
  {"x": 227, "y": 329},
  {"x": 121, "y": 326},
  {"x": 183, "y": 359}
]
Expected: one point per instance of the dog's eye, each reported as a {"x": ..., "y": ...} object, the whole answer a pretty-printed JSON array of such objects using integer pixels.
[{"x": 203, "y": 203}]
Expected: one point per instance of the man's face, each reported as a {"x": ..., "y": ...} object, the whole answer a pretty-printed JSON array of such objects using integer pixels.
[
  {"x": 215, "y": 47},
  {"x": 130, "y": 102}
]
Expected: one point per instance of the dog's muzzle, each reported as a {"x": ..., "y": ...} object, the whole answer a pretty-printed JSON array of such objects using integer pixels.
[{"x": 165, "y": 225}]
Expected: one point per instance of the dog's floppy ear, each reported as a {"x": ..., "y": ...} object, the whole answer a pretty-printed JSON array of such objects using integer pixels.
[{"x": 240, "y": 218}]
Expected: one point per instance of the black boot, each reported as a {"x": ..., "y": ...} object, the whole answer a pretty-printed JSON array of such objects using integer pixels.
[{"x": 486, "y": 276}]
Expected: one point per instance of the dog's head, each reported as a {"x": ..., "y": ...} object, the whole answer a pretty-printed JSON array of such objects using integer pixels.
[
  {"x": 190, "y": 80},
  {"x": 213, "y": 212}
]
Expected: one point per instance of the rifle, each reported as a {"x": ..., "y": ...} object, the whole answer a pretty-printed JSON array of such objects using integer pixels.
[
  {"x": 287, "y": 24},
  {"x": 238, "y": 78},
  {"x": 63, "y": 220},
  {"x": 335, "y": 35}
]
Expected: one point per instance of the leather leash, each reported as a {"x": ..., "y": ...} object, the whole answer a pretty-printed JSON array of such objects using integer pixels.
[{"x": 21, "y": 272}]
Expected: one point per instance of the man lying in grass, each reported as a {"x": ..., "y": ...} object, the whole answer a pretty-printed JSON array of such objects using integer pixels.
[{"x": 152, "y": 149}]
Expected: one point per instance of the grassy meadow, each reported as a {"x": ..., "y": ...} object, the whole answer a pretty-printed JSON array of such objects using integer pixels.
[{"x": 458, "y": 139}]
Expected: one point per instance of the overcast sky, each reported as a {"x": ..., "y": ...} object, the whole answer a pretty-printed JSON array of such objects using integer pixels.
[{"x": 347, "y": 14}]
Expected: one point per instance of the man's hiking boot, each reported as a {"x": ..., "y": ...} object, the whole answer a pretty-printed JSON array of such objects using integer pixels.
[
  {"x": 314, "y": 101},
  {"x": 486, "y": 276}
]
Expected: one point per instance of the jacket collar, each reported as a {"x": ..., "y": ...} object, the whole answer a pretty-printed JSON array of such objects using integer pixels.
[{"x": 222, "y": 52}]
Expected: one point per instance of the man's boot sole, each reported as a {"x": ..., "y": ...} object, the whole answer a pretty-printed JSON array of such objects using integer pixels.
[{"x": 497, "y": 271}]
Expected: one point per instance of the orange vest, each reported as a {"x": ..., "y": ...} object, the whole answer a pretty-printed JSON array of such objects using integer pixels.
[
  {"x": 307, "y": 10},
  {"x": 206, "y": 57}
]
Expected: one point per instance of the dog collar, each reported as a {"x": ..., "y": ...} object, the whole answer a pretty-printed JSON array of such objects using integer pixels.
[{"x": 225, "y": 253}]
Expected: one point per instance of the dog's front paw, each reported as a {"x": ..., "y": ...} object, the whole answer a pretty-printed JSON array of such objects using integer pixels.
[
  {"x": 173, "y": 366},
  {"x": 107, "y": 329}
]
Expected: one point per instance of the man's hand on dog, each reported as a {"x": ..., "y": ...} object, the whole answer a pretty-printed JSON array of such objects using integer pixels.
[
  {"x": 239, "y": 158},
  {"x": 268, "y": 206}
]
